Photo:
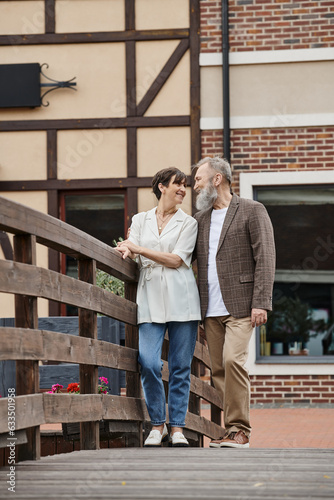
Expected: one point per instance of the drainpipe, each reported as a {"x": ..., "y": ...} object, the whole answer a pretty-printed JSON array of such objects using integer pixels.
[{"x": 226, "y": 81}]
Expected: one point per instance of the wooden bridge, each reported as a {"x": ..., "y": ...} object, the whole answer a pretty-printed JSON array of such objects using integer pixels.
[
  {"x": 113, "y": 473},
  {"x": 28, "y": 345}
]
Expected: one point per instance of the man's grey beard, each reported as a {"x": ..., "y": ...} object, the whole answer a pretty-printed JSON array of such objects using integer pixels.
[{"x": 206, "y": 198}]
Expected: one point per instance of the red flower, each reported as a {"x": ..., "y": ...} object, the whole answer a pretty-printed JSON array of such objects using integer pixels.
[{"x": 74, "y": 387}]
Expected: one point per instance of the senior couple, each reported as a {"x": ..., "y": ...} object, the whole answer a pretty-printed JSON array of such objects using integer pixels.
[{"x": 232, "y": 239}]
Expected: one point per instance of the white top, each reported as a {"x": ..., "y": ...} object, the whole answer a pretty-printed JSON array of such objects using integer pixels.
[
  {"x": 216, "y": 306},
  {"x": 165, "y": 294}
]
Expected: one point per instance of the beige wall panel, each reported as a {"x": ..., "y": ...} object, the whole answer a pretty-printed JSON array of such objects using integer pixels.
[
  {"x": 76, "y": 16},
  {"x": 100, "y": 75},
  {"x": 147, "y": 200},
  {"x": 7, "y": 309},
  {"x": 38, "y": 201},
  {"x": 7, "y": 306},
  {"x": 162, "y": 14},
  {"x": 92, "y": 154},
  {"x": 150, "y": 59},
  {"x": 23, "y": 156},
  {"x": 21, "y": 18},
  {"x": 282, "y": 88},
  {"x": 269, "y": 89},
  {"x": 211, "y": 92},
  {"x": 163, "y": 147},
  {"x": 174, "y": 97}
]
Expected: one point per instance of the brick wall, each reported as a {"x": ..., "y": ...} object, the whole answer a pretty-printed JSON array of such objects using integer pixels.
[
  {"x": 275, "y": 149},
  {"x": 211, "y": 25},
  {"x": 273, "y": 25},
  {"x": 268, "y": 24},
  {"x": 309, "y": 389},
  {"x": 211, "y": 142}
]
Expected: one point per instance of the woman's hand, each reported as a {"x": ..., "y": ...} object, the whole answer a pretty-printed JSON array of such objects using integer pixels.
[{"x": 128, "y": 249}]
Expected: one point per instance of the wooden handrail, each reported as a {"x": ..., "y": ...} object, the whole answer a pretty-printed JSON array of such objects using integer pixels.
[
  {"x": 19, "y": 343},
  {"x": 41, "y": 344},
  {"x": 26, "y": 344},
  {"x": 36, "y": 281},
  {"x": 38, "y": 409},
  {"x": 54, "y": 233}
]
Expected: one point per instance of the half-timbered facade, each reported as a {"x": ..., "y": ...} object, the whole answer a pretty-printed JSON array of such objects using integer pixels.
[{"x": 88, "y": 156}]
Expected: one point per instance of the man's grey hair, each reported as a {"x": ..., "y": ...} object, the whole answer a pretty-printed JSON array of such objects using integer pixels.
[{"x": 219, "y": 164}]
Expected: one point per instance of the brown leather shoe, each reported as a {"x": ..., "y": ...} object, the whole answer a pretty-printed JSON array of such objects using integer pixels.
[{"x": 232, "y": 440}]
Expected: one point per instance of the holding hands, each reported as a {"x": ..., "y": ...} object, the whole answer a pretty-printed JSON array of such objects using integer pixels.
[{"x": 128, "y": 249}]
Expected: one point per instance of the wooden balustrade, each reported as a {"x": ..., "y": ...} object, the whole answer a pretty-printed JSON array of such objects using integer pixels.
[{"x": 27, "y": 345}]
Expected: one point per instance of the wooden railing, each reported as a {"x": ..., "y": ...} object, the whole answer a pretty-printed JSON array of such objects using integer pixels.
[{"x": 27, "y": 345}]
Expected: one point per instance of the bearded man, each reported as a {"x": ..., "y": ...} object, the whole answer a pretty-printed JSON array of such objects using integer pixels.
[{"x": 236, "y": 266}]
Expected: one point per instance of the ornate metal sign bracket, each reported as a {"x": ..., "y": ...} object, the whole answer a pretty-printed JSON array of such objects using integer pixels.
[{"x": 55, "y": 85}]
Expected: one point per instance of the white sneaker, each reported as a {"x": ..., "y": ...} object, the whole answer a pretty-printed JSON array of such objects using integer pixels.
[
  {"x": 155, "y": 438},
  {"x": 178, "y": 439}
]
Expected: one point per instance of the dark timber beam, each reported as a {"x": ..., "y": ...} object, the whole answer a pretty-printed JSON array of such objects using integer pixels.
[
  {"x": 66, "y": 184},
  {"x": 162, "y": 77},
  {"x": 50, "y": 16},
  {"x": 94, "y": 37},
  {"x": 51, "y": 154},
  {"x": 53, "y": 209},
  {"x": 131, "y": 103},
  {"x": 95, "y": 123},
  {"x": 6, "y": 246}
]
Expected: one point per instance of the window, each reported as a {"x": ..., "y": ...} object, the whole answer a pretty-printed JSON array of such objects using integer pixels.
[
  {"x": 301, "y": 325},
  {"x": 101, "y": 215}
]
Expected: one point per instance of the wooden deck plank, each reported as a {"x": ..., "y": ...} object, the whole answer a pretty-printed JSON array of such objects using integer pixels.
[{"x": 170, "y": 473}]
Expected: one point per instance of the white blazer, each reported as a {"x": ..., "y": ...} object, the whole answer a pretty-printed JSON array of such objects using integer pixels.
[{"x": 165, "y": 294}]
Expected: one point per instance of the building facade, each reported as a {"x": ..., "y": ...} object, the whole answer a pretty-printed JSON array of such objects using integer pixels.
[
  {"x": 282, "y": 144},
  {"x": 150, "y": 94}
]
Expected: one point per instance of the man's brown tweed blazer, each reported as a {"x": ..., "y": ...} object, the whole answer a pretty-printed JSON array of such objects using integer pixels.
[{"x": 245, "y": 257}]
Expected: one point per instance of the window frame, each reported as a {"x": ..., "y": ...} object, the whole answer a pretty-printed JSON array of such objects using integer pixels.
[
  {"x": 62, "y": 214},
  {"x": 249, "y": 184}
]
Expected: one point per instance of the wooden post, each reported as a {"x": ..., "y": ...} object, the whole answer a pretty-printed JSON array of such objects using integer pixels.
[
  {"x": 216, "y": 413},
  {"x": 27, "y": 372},
  {"x": 194, "y": 400},
  {"x": 89, "y": 431},
  {"x": 133, "y": 386},
  {"x": 164, "y": 357}
]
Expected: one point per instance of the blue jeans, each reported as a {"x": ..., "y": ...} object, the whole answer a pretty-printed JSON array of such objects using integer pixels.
[{"x": 182, "y": 340}]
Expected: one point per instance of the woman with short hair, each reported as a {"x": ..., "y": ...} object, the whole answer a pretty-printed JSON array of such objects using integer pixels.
[{"x": 162, "y": 240}]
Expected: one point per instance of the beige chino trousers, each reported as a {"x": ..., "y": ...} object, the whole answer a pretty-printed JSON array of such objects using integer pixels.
[{"x": 228, "y": 341}]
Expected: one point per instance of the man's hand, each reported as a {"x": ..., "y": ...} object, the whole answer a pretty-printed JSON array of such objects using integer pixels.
[{"x": 258, "y": 317}]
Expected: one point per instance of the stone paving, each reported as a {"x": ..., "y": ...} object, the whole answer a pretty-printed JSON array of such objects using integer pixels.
[{"x": 289, "y": 427}]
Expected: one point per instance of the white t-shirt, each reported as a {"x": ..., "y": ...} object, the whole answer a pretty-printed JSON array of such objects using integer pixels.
[{"x": 216, "y": 306}]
